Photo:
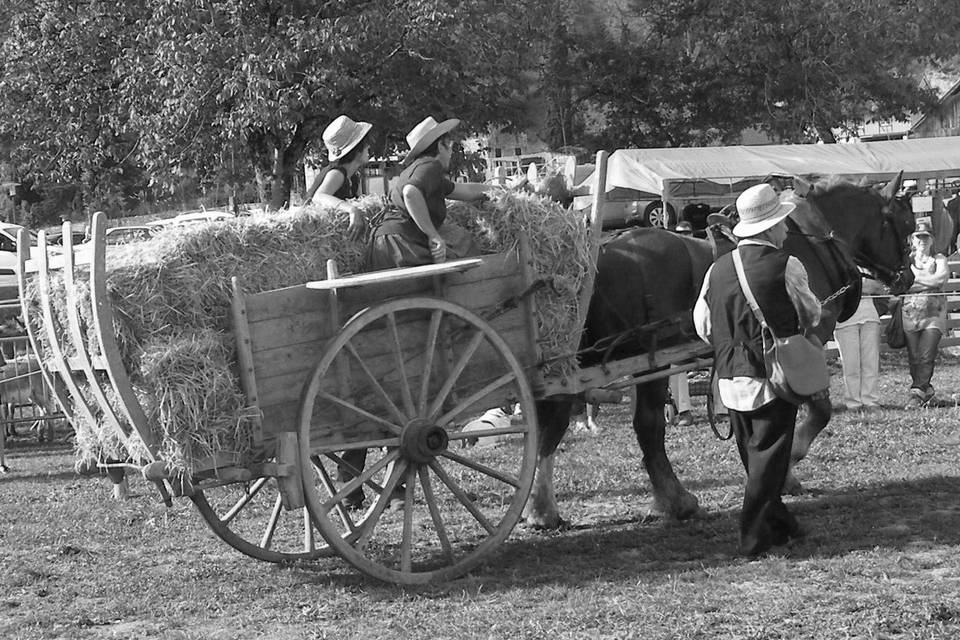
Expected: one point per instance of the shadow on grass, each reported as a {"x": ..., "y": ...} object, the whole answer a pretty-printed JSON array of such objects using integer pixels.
[
  {"x": 900, "y": 516},
  {"x": 43, "y": 476},
  {"x": 30, "y": 446}
]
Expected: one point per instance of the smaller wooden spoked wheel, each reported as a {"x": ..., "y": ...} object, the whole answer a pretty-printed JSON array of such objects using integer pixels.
[
  {"x": 250, "y": 517},
  {"x": 443, "y": 410}
]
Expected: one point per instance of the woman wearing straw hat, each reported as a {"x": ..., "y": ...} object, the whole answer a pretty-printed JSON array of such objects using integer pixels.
[
  {"x": 412, "y": 232},
  {"x": 762, "y": 421},
  {"x": 348, "y": 151},
  {"x": 924, "y": 316}
]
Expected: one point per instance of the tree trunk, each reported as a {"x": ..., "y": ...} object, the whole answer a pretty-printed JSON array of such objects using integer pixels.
[
  {"x": 285, "y": 164},
  {"x": 825, "y": 132}
]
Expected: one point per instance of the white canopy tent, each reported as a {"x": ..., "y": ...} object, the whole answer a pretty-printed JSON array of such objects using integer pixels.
[{"x": 684, "y": 172}]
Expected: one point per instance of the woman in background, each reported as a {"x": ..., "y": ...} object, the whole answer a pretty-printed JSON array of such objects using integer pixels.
[
  {"x": 924, "y": 316},
  {"x": 858, "y": 340}
]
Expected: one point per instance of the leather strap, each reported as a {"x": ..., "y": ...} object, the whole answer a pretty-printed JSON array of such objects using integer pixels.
[{"x": 742, "y": 277}]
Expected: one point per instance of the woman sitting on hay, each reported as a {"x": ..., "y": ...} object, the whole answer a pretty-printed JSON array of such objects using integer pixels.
[
  {"x": 348, "y": 150},
  {"x": 412, "y": 231}
]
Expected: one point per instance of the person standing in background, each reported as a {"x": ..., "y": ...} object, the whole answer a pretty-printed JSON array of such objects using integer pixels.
[
  {"x": 953, "y": 211},
  {"x": 925, "y": 314},
  {"x": 858, "y": 340},
  {"x": 680, "y": 392}
]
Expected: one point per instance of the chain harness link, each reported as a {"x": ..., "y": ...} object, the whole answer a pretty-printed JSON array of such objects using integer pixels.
[{"x": 836, "y": 294}]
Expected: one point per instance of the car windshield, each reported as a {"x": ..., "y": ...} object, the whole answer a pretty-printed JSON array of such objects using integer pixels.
[
  {"x": 121, "y": 236},
  {"x": 8, "y": 237}
]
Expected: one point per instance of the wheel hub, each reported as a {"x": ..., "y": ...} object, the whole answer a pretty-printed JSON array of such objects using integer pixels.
[{"x": 422, "y": 441}]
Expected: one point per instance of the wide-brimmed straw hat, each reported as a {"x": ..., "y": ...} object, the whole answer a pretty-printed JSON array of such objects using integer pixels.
[
  {"x": 342, "y": 135},
  {"x": 426, "y": 133},
  {"x": 760, "y": 209}
]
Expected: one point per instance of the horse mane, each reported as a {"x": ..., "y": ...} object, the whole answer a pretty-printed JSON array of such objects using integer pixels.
[{"x": 836, "y": 186}]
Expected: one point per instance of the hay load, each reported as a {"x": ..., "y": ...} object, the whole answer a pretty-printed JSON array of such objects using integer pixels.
[{"x": 171, "y": 299}]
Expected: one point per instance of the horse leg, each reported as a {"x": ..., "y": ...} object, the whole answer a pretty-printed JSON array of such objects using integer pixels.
[
  {"x": 818, "y": 415},
  {"x": 670, "y": 498},
  {"x": 541, "y": 510}
]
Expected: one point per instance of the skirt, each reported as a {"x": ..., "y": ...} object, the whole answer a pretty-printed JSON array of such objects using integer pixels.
[{"x": 392, "y": 250}]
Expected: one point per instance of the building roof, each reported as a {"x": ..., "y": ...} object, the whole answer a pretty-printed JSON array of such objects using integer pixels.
[{"x": 953, "y": 90}]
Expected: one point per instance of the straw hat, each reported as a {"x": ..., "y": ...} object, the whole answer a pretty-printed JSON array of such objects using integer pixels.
[
  {"x": 760, "y": 209},
  {"x": 426, "y": 133},
  {"x": 342, "y": 135}
]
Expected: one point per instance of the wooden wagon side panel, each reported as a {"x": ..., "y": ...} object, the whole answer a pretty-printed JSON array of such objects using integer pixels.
[{"x": 289, "y": 329}]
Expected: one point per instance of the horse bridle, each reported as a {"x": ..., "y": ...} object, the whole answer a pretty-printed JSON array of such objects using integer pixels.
[{"x": 887, "y": 274}]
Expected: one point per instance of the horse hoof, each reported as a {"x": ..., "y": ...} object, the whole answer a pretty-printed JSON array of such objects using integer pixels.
[
  {"x": 545, "y": 522},
  {"x": 684, "y": 507},
  {"x": 792, "y": 486}
]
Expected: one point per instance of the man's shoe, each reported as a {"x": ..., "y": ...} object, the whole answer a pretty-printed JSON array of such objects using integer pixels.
[{"x": 684, "y": 419}]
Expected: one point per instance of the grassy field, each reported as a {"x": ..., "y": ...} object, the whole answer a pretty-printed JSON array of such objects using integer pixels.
[{"x": 881, "y": 560}]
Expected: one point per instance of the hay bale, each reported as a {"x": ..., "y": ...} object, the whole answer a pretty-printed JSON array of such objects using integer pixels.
[
  {"x": 561, "y": 255},
  {"x": 171, "y": 298}
]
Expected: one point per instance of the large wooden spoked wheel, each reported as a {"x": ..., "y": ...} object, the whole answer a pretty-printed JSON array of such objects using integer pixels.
[
  {"x": 422, "y": 374},
  {"x": 250, "y": 517}
]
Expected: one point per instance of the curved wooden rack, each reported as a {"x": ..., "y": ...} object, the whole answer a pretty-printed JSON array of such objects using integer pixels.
[{"x": 68, "y": 363}]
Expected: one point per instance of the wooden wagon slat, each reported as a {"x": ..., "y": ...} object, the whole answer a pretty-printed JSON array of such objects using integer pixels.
[
  {"x": 82, "y": 357},
  {"x": 57, "y": 355},
  {"x": 23, "y": 253},
  {"x": 390, "y": 276},
  {"x": 102, "y": 318}
]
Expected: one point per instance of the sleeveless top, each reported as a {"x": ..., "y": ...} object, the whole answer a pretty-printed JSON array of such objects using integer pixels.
[
  {"x": 925, "y": 311},
  {"x": 350, "y": 188}
]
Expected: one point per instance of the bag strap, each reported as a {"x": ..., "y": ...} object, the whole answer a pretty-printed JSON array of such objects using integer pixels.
[{"x": 742, "y": 277}]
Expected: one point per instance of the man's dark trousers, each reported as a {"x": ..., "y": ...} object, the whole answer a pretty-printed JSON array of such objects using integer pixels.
[{"x": 764, "y": 440}]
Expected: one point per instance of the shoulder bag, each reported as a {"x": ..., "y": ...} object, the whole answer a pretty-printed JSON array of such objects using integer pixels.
[
  {"x": 894, "y": 335},
  {"x": 796, "y": 365}
]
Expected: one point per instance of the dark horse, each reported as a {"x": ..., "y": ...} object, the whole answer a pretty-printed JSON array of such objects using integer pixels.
[{"x": 649, "y": 276}]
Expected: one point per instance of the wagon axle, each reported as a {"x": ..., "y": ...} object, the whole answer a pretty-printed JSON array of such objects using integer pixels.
[{"x": 422, "y": 441}]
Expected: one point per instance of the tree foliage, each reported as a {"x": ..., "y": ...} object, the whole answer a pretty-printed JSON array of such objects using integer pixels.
[
  {"x": 693, "y": 72},
  {"x": 803, "y": 71},
  {"x": 130, "y": 98},
  {"x": 179, "y": 86}
]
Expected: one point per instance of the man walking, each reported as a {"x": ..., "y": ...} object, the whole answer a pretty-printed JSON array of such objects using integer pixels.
[{"x": 762, "y": 421}]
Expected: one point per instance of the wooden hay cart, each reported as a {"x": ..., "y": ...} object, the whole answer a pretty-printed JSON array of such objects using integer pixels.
[{"x": 368, "y": 390}]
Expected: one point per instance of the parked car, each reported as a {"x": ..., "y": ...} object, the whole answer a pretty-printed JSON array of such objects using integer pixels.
[
  {"x": 56, "y": 236},
  {"x": 123, "y": 235},
  {"x": 9, "y": 260},
  {"x": 193, "y": 217}
]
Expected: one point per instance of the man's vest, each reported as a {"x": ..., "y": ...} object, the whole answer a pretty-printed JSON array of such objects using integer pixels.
[{"x": 736, "y": 337}]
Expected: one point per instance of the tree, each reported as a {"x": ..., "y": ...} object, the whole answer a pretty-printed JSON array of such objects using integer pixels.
[
  {"x": 610, "y": 80},
  {"x": 61, "y": 115},
  {"x": 92, "y": 90},
  {"x": 803, "y": 71},
  {"x": 271, "y": 75}
]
